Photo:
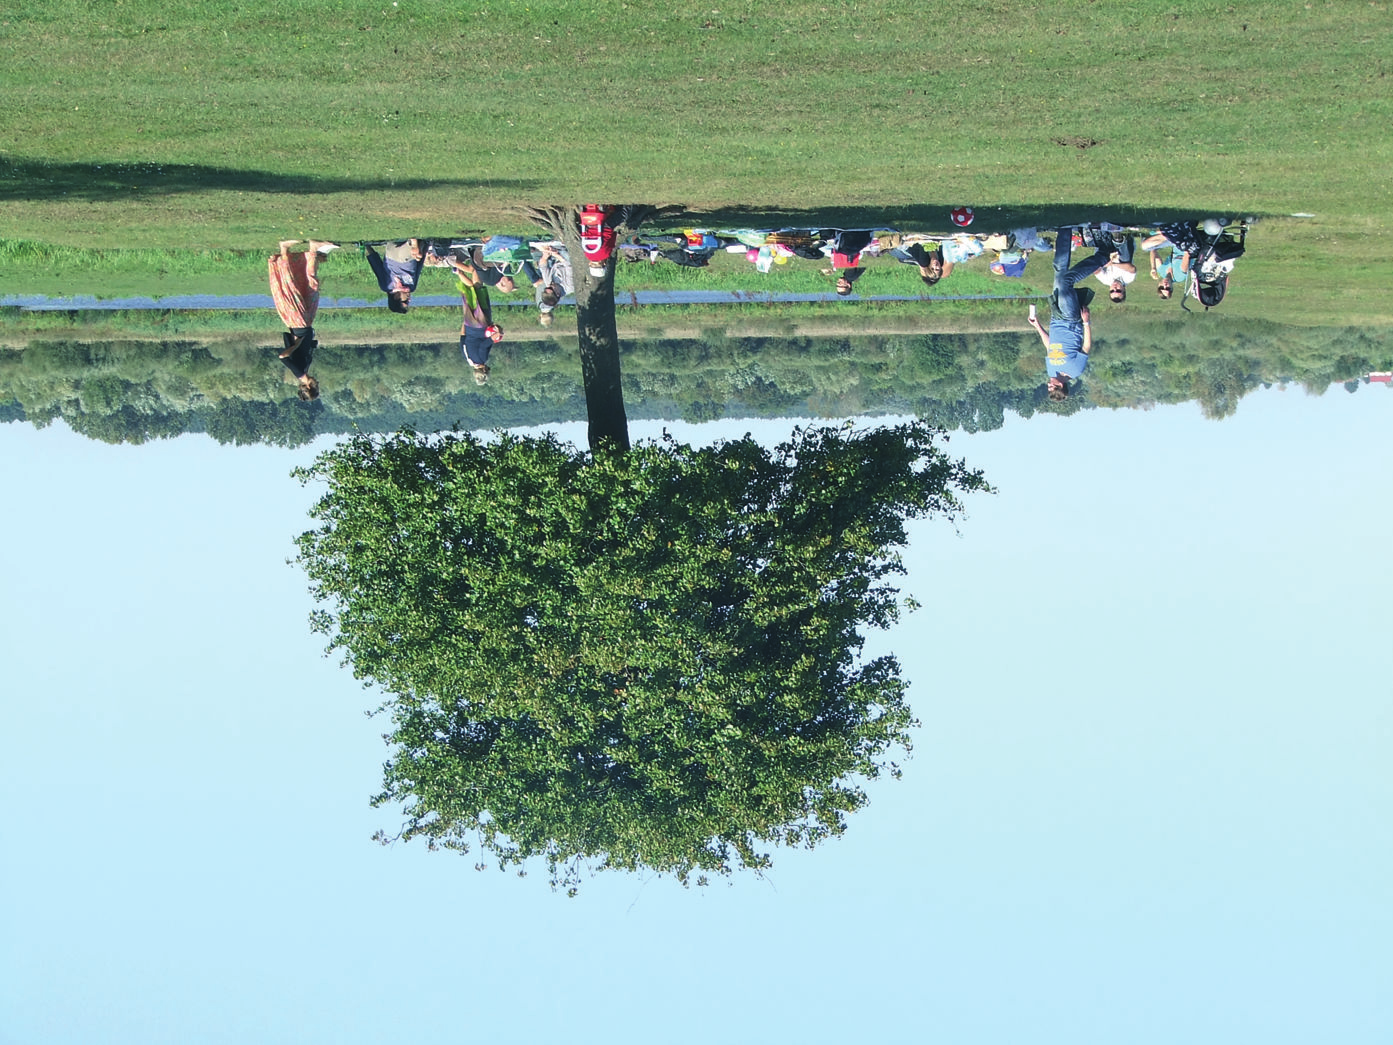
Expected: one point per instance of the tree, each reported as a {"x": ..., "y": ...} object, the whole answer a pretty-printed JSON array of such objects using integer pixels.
[
  {"x": 246, "y": 422},
  {"x": 646, "y": 659}
]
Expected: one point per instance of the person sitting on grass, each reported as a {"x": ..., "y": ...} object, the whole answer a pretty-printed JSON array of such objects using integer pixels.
[
  {"x": 500, "y": 274},
  {"x": 928, "y": 257},
  {"x": 1010, "y": 263},
  {"x": 397, "y": 268},
  {"x": 1014, "y": 253},
  {"x": 957, "y": 249},
  {"x": 479, "y": 333},
  {"x": 295, "y": 290},
  {"x": 1119, "y": 271},
  {"x": 846, "y": 248},
  {"x": 1176, "y": 265},
  {"x": 554, "y": 281}
]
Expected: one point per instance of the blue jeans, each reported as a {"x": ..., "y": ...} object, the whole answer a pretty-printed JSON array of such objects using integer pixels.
[{"x": 1065, "y": 302}]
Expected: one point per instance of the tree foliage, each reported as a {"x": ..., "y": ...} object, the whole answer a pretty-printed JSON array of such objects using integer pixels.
[
  {"x": 644, "y": 660},
  {"x": 380, "y": 388}
]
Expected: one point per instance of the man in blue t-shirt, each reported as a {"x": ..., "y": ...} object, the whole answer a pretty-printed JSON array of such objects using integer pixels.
[
  {"x": 1070, "y": 335},
  {"x": 1066, "y": 351}
]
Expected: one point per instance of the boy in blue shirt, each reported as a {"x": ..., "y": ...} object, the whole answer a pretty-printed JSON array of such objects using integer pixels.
[{"x": 1070, "y": 333}]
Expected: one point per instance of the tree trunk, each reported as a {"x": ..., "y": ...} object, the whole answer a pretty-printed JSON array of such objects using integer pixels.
[
  {"x": 595, "y": 322},
  {"x": 599, "y": 349}
]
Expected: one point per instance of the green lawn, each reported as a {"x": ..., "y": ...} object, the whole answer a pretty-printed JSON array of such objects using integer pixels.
[
  {"x": 221, "y": 124},
  {"x": 1293, "y": 273},
  {"x": 29, "y": 267},
  {"x": 230, "y": 122}
]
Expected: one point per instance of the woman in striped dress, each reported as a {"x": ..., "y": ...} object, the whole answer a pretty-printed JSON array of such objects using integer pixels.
[{"x": 295, "y": 290}]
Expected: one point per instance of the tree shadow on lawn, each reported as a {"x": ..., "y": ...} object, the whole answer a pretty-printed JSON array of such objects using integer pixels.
[
  {"x": 28, "y": 179},
  {"x": 934, "y": 216}
]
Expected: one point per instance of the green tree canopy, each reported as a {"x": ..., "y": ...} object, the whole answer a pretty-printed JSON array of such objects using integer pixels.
[{"x": 648, "y": 659}]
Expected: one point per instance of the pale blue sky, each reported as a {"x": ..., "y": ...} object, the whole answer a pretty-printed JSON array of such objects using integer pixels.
[{"x": 1151, "y": 800}]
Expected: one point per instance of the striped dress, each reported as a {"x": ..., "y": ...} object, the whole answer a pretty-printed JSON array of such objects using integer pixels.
[{"x": 293, "y": 289}]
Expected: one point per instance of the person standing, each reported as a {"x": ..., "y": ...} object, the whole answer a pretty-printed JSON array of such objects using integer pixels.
[
  {"x": 294, "y": 280},
  {"x": 1070, "y": 335},
  {"x": 478, "y": 333},
  {"x": 398, "y": 269}
]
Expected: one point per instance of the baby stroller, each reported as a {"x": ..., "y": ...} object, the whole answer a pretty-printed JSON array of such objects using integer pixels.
[{"x": 1218, "y": 244}]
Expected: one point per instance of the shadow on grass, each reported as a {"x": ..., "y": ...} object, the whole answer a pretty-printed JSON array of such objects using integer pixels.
[
  {"x": 934, "y": 216},
  {"x": 25, "y": 179}
]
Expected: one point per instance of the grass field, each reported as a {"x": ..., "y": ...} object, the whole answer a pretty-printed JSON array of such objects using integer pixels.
[
  {"x": 220, "y": 124},
  {"x": 27, "y": 267},
  {"x": 246, "y": 119},
  {"x": 1279, "y": 280},
  {"x": 425, "y": 325}
]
